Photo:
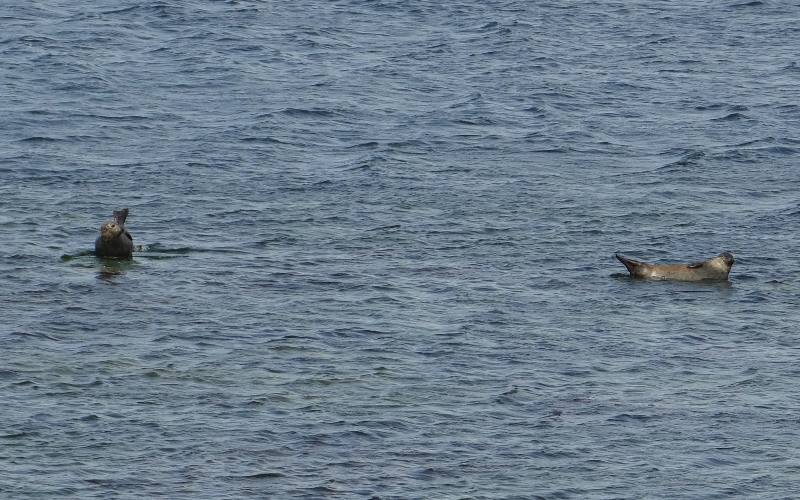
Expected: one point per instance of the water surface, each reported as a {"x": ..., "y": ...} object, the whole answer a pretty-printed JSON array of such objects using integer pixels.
[{"x": 377, "y": 249}]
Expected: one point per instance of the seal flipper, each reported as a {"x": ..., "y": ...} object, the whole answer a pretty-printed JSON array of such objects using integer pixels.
[
  {"x": 120, "y": 216},
  {"x": 630, "y": 264}
]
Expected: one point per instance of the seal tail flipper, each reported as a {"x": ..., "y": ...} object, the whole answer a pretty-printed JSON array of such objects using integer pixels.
[
  {"x": 121, "y": 215},
  {"x": 631, "y": 264}
]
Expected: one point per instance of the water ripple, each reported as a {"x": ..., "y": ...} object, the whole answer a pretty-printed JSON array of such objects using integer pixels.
[{"x": 375, "y": 250}]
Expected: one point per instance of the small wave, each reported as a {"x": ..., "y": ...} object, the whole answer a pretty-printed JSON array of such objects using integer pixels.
[
  {"x": 17, "y": 435},
  {"x": 631, "y": 417},
  {"x": 687, "y": 163},
  {"x": 478, "y": 121},
  {"x": 36, "y": 335},
  {"x": 365, "y": 145},
  {"x": 309, "y": 112},
  {"x": 792, "y": 67},
  {"x": 754, "y": 3},
  {"x": 360, "y": 166},
  {"x": 385, "y": 228},
  {"x": 404, "y": 144},
  {"x": 42, "y": 139},
  {"x": 261, "y": 475},
  {"x": 710, "y": 107},
  {"x": 471, "y": 98},
  {"x": 453, "y": 170},
  {"x": 535, "y": 110},
  {"x": 263, "y": 140},
  {"x": 764, "y": 140},
  {"x": 115, "y": 118},
  {"x": 661, "y": 40},
  {"x": 778, "y": 150},
  {"x": 159, "y": 251},
  {"x": 557, "y": 150},
  {"x": 94, "y": 383},
  {"x": 124, "y": 10},
  {"x": 755, "y": 298},
  {"x": 731, "y": 117}
]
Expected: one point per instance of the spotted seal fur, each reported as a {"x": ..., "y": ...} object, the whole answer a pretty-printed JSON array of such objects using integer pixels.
[
  {"x": 716, "y": 268},
  {"x": 114, "y": 239}
]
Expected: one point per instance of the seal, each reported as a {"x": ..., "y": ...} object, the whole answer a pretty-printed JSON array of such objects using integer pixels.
[
  {"x": 114, "y": 239},
  {"x": 716, "y": 268}
]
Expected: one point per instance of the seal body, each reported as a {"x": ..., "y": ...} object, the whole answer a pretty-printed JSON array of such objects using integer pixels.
[
  {"x": 717, "y": 268},
  {"x": 114, "y": 239}
]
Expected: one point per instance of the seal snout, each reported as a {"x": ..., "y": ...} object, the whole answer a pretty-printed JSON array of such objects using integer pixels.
[{"x": 109, "y": 229}]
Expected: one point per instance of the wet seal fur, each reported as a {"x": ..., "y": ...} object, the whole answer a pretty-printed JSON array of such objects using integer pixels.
[
  {"x": 114, "y": 239},
  {"x": 717, "y": 268}
]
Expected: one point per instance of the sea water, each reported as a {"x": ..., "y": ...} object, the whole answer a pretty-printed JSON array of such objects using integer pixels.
[{"x": 375, "y": 249}]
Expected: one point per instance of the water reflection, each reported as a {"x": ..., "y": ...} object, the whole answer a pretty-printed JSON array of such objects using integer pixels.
[{"x": 111, "y": 269}]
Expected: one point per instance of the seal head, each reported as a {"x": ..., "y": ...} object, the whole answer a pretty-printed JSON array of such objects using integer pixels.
[
  {"x": 114, "y": 239},
  {"x": 716, "y": 268}
]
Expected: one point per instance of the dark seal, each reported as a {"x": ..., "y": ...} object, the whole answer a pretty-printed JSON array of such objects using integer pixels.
[
  {"x": 114, "y": 239},
  {"x": 716, "y": 268}
]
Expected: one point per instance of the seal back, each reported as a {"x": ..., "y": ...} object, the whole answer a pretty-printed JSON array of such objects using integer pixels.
[{"x": 716, "y": 268}]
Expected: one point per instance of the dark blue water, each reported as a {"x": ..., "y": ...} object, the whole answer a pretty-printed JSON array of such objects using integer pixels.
[{"x": 376, "y": 249}]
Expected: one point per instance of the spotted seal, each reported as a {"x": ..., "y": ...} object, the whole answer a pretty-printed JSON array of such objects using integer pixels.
[
  {"x": 716, "y": 268},
  {"x": 114, "y": 239}
]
